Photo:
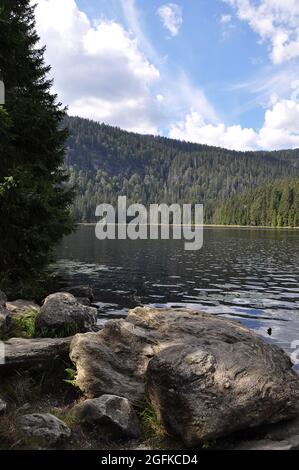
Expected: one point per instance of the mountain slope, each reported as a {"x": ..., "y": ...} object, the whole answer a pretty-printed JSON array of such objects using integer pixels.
[
  {"x": 105, "y": 162},
  {"x": 275, "y": 204}
]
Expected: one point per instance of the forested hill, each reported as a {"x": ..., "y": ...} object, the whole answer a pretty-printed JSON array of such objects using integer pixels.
[
  {"x": 275, "y": 204},
  {"x": 105, "y": 162}
]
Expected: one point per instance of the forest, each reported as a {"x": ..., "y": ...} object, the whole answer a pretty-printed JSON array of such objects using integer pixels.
[
  {"x": 275, "y": 204},
  {"x": 105, "y": 162}
]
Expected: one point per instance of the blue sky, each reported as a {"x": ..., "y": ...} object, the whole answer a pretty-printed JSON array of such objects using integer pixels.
[{"x": 221, "y": 72}]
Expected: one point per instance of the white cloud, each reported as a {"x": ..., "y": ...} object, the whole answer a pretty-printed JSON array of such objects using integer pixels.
[
  {"x": 101, "y": 73},
  {"x": 225, "y": 19},
  {"x": 171, "y": 16},
  {"x": 99, "y": 69},
  {"x": 132, "y": 19},
  {"x": 280, "y": 130},
  {"x": 275, "y": 21},
  {"x": 195, "y": 129}
]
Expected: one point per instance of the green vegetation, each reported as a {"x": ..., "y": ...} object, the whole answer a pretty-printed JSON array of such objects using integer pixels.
[
  {"x": 275, "y": 204},
  {"x": 150, "y": 422},
  {"x": 105, "y": 162},
  {"x": 71, "y": 377},
  {"x": 65, "y": 330},
  {"x": 34, "y": 195},
  {"x": 22, "y": 325}
]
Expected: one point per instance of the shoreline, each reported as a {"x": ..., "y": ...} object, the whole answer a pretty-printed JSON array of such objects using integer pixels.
[{"x": 251, "y": 227}]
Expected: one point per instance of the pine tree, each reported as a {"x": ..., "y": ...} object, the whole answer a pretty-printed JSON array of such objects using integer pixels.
[{"x": 34, "y": 194}]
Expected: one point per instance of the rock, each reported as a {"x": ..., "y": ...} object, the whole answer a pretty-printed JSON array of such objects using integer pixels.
[
  {"x": 37, "y": 353},
  {"x": 21, "y": 318},
  {"x": 207, "y": 376},
  {"x": 3, "y": 406},
  {"x": 4, "y": 314},
  {"x": 279, "y": 436},
  {"x": 44, "y": 427},
  {"x": 113, "y": 415},
  {"x": 101, "y": 371},
  {"x": 80, "y": 292},
  {"x": 62, "y": 315},
  {"x": 22, "y": 307},
  {"x": 83, "y": 301},
  {"x": 267, "y": 444},
  {"x": 3, "y": 299}
]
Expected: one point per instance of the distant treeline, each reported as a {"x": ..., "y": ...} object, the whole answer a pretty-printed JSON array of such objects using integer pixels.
[
  {"x": 105, "y": 162},
  {"x": 275, "y": 204}
]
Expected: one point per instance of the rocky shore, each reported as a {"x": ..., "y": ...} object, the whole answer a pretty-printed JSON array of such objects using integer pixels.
[{"x": 160, "y": 378}]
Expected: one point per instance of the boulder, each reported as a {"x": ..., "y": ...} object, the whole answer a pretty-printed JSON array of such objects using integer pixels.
[
  {"x": 84, "y": 301},
  {"x": 100, "y": 370},
  {"x": 206, "y": 376},
  {"x": 113, "y": 416},
  {"x": 62, "y": 315},
  {"x": 3, "y": 406},
  {"x": 21, "y": 318},
  {"x": 80, "y": 292},
  {"x": 45, "y": 428},
  {"x": 3, "y": 313},
  {"x": 36, "y": 353},
  {"x": 21, "y": 307},
  {"x": 279, "y": 436},
  {"x": 3, "y": 299}
]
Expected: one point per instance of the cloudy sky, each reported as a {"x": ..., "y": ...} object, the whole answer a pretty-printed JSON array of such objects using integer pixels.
[{"x": 220, "y": 72}]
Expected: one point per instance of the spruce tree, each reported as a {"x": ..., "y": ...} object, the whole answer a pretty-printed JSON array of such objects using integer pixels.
[{"x": 34, "y": 192}]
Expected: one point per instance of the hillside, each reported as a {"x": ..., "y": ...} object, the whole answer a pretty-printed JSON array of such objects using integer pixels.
[
  {"x": 275, "y": 204},
  {"x": 105, "y": 162}
]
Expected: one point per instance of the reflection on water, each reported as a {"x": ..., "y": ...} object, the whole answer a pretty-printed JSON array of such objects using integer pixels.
[{"x": 249, "y": 274}]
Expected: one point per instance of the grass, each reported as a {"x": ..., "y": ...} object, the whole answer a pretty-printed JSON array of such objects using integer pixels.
[
  {"x": 150, "y": 422},
  {"x": 71, "y": 377},
  {"x": 63, "y": 331},
  {"x": 23, "y": 325}
]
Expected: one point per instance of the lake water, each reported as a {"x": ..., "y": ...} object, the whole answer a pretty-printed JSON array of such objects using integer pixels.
[{"x": 251, "y": 275}]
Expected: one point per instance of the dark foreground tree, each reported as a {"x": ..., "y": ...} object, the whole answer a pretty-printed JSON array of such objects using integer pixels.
[{"x": 34, "y": 194}]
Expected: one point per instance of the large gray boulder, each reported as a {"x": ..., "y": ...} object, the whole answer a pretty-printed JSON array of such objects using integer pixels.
[
  {"x": 62, "y": 315},
  {"x": 206, "y": 376},
  {"x": 112, "y": 415},
  {"x": 44, "y": 428},
  {"x": 33, "y": 353}
]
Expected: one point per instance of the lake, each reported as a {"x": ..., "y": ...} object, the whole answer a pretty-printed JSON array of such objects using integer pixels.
[{"x": 251, "y": 275}]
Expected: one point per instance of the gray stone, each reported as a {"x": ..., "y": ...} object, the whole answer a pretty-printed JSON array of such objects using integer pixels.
[
  {"x": 80, "y": 291},
  {"x": 279, "y": 436},
  {"x": 3, "y": 312},
  {"x": 83, "y": 301},
  {"x": 112, "y": 415},
  {"x": 4, "y": 315},
  {"x": 3, "y": 406},
  {"x": 39, "y": 352},
  {"x": 22, "y": 307},
  {"x": 44, "y": 427},
  {"x": 62, "y": 315},
  {"x": 3, "y": 299},
  {"x": 207, "y": 376}
]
